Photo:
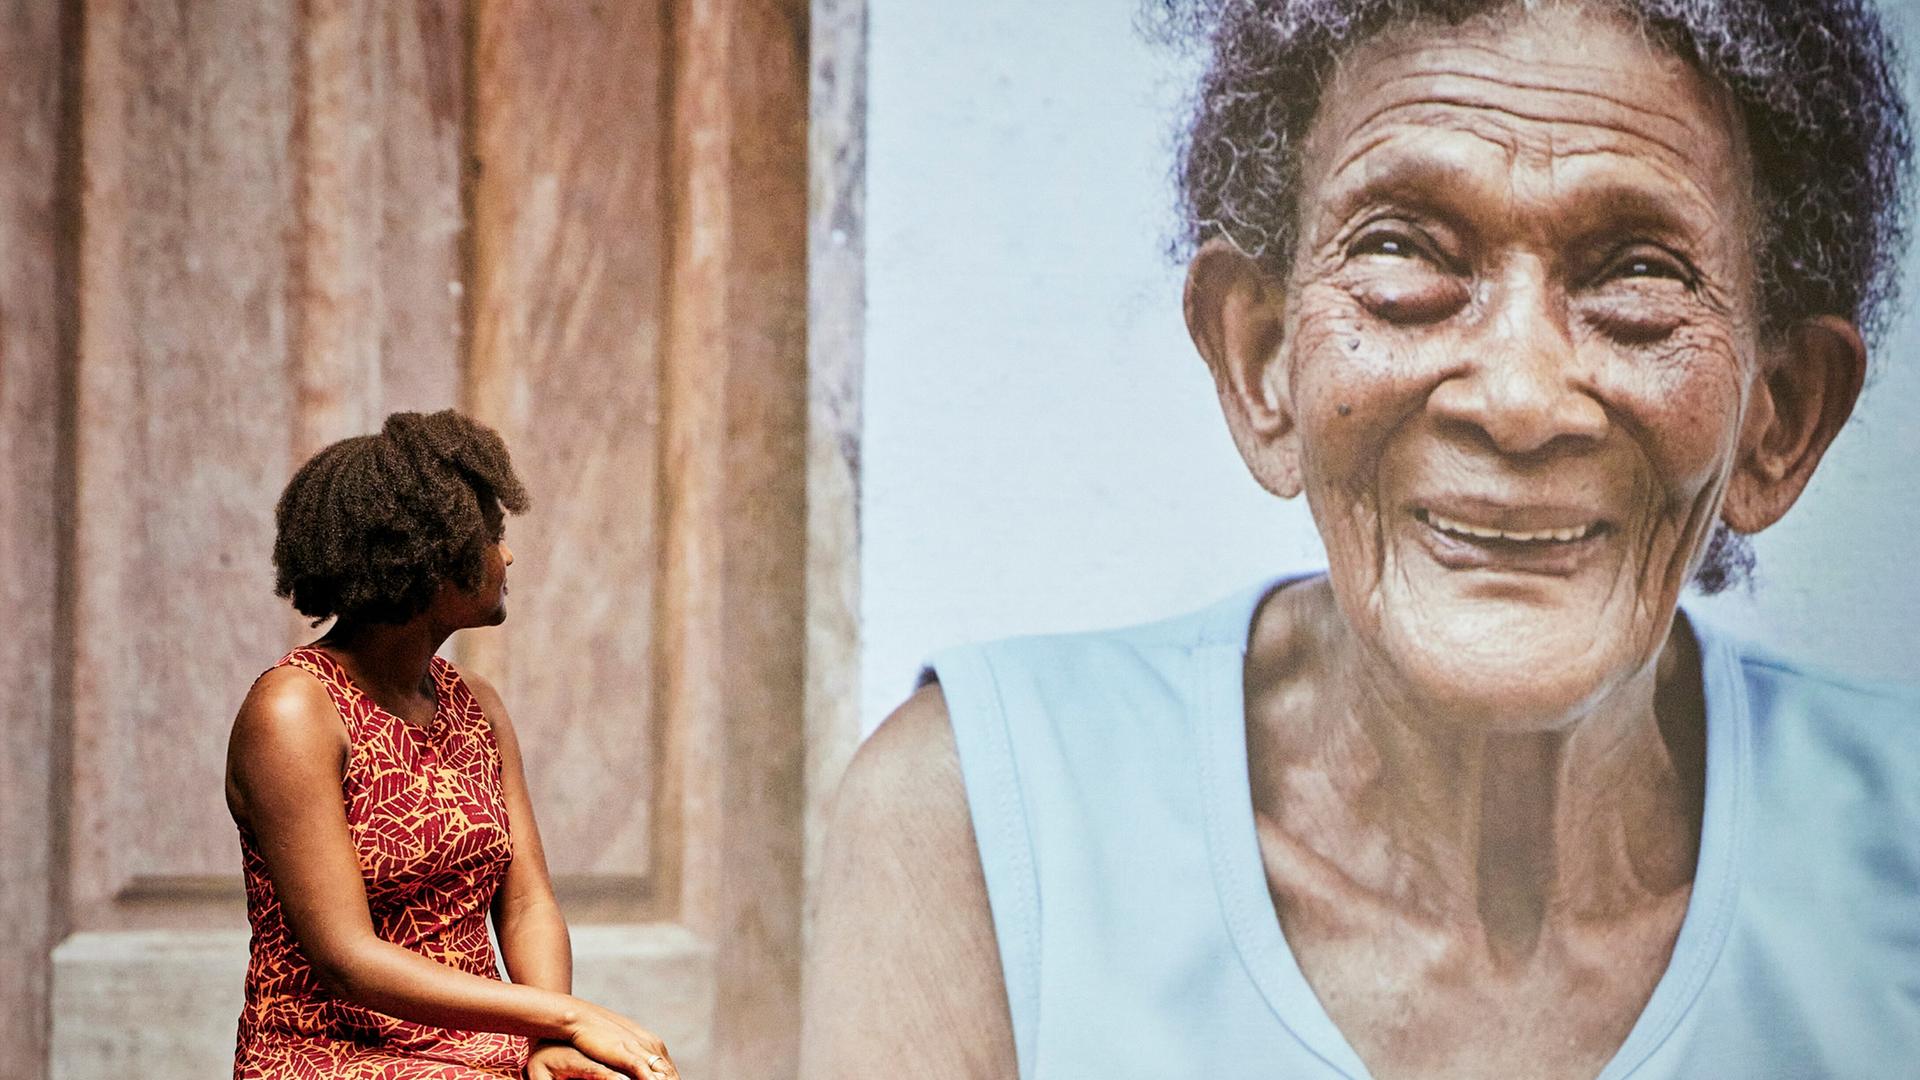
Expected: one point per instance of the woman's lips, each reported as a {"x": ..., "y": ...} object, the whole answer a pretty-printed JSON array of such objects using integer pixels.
[
  {"x": 1549, "y": 544},
  {"x": 1469, "y": 530}
]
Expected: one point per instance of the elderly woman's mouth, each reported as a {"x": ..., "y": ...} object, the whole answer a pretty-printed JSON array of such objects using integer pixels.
[
  {"x": 1550, "y": 542},
  {"x": 1472, "y": 531}
]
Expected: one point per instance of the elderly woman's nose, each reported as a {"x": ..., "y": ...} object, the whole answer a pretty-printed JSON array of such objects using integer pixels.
[{"x": 1518, "y": 385}]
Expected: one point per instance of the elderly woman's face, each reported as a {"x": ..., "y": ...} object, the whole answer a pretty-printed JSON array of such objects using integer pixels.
[{"x": 1519, "y": 351}]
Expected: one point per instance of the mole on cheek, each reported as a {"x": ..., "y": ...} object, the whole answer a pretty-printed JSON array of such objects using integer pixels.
[{"x": 1343, "y": 409}]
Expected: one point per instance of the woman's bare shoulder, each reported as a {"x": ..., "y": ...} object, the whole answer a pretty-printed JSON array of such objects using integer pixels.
[
  {"x": 287, "y": 724},
  {"x": 287, "y": 701},
  {"x": 285, "y": 719},
  {"x": 908, "y": 771},
  {"x": 905, "y": 969}
]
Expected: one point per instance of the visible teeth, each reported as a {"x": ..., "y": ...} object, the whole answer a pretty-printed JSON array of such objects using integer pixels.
[{"x": 1447, "y": 524}]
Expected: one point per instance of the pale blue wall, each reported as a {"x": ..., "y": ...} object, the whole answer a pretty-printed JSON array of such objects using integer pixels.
[{"x": 1042, "y": 447}]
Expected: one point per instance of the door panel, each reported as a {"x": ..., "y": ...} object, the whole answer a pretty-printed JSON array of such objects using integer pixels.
[
  {"x": 31, "y": 501},
  {"x": 570, "y": 242},
  {"x": 184, "y": 402},
  {"x": 584, "y": 223},
  {"x": 381, "y": 263}
]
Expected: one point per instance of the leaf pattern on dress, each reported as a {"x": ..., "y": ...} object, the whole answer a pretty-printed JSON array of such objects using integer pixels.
[{"x": 428, "y": 820}]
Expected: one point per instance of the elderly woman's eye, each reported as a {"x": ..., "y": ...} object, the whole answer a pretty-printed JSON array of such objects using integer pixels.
[
  {"x": 1400, "y": 276},
  {"x": 1648, "y": 264},
  {"x": 1385, "y": 242},
  {"x": 1641, "y": 294}
]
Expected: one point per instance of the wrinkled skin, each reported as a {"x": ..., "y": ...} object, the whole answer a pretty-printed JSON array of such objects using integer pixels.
[
  {"x": 1524, "y": 301},
  {"x": 1522, "y": 307}
]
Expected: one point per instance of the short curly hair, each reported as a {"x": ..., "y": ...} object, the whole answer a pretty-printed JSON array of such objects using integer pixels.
[
  {"x": 1815, "y": 83},
  {"x": 370, "y": 527}
]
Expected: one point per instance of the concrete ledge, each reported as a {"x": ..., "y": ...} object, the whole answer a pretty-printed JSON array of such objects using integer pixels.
[
  {"x": 162, "y": 1005},
  {"x": 658, "y": 974},
  {"x": 152, "y": 1004}
]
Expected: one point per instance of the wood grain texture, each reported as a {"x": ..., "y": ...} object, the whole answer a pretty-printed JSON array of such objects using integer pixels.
[
  {"x": 379, "y": 130},
  {"x": 31, "y": 404},
  {"x": 272, "y": 257},
  {"x": 836, "y": 318},
  {"x": 735, "y": 575},
  {"x": 182, "y": 432},
  {"x": 569, "y": 246}
]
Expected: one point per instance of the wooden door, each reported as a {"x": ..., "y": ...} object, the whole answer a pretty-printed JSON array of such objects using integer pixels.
[{"x": 235, "y": 230}]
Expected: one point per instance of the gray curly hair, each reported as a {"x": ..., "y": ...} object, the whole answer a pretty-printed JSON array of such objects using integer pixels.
[{"x": 1814, "y": 81}]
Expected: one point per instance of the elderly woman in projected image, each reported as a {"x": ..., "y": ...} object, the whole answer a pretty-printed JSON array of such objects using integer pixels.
[{"x": 1543, "y": 307}]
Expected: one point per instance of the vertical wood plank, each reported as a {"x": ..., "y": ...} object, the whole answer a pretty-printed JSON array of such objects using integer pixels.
[
  {"x": 31, "y": 408},
  {"x": 380, "y": 132},
  {"x": 184, "y": 414},
  {"x": 270, "y": 260},
  {"x": 569, "y": 246},
  {"x": 836, "y": 317},
  {"x": 736, "y": 494}
]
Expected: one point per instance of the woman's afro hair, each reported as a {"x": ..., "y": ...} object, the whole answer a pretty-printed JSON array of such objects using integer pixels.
[{"x": 371, "y": 527}]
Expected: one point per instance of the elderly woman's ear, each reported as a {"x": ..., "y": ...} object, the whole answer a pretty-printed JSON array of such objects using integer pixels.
[
  {"x": 1803, "y": 399},
  {"x": 1235, "y": 312}
]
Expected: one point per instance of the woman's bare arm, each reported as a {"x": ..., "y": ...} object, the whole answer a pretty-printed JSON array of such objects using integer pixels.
[
  {"x": 285, "y": 762},
  {"x": 527, "y": 918},
  {"x": 903, "y": 972}
]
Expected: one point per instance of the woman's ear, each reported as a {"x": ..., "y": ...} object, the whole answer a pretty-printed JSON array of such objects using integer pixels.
[
  {"x": 1235, "y": 315},
  {"x": 1804, "y": 398}
]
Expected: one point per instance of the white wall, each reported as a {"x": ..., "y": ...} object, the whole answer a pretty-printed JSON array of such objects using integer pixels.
[{"x": 1043, "y": 450}]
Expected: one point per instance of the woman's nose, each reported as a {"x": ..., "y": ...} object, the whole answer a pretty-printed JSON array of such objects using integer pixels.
[
  {"x": 506, "y": 554},
  {"x": 1519, "y": 385}
]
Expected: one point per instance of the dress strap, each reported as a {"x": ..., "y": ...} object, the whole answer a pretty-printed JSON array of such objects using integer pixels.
[
  {"x": 460, "y": 710},
  {"x": 347, "y": 699}
]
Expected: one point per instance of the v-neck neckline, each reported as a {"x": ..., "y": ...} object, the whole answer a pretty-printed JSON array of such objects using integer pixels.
[
  {"x": 430, "y": 731},
  {"x": 1219, "y": 711}
]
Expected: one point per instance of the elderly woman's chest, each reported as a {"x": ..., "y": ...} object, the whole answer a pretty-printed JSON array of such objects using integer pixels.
[{"x": 1415, "y": 997}]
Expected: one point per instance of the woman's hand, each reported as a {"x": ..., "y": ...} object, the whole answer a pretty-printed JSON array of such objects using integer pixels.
[
  {"x": 560, "y": 1061},
  {"x": 619, "y": 1043},
  {"x": 600, "y": 1044}
]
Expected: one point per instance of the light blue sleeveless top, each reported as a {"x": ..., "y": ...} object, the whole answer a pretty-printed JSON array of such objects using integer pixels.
[{"x": 1107, "y": 778}]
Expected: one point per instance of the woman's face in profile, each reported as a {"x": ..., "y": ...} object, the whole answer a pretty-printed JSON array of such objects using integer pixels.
[
  {"x": 486, "y": 603},
  {"x": 1519, "y": 352}
]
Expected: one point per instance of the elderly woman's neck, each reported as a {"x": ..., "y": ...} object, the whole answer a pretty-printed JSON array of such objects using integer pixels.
[{"x": 1504, "y": 833}]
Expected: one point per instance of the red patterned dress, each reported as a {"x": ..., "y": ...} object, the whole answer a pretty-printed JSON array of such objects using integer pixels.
[{"x": 426, "y": 815}]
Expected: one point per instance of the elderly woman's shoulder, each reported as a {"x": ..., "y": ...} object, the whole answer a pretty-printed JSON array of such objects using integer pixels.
[
  {"x": 909, "y": 765},
  {"x": 1792, "y": 701},
  {"x": 1075, "y": 655},
  {"x": 1777, "y": 682},
  {"x": 1827, "y": 767},
  {"x": 1813, "y": 736},
  {"x": 912, "y": 761}
]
